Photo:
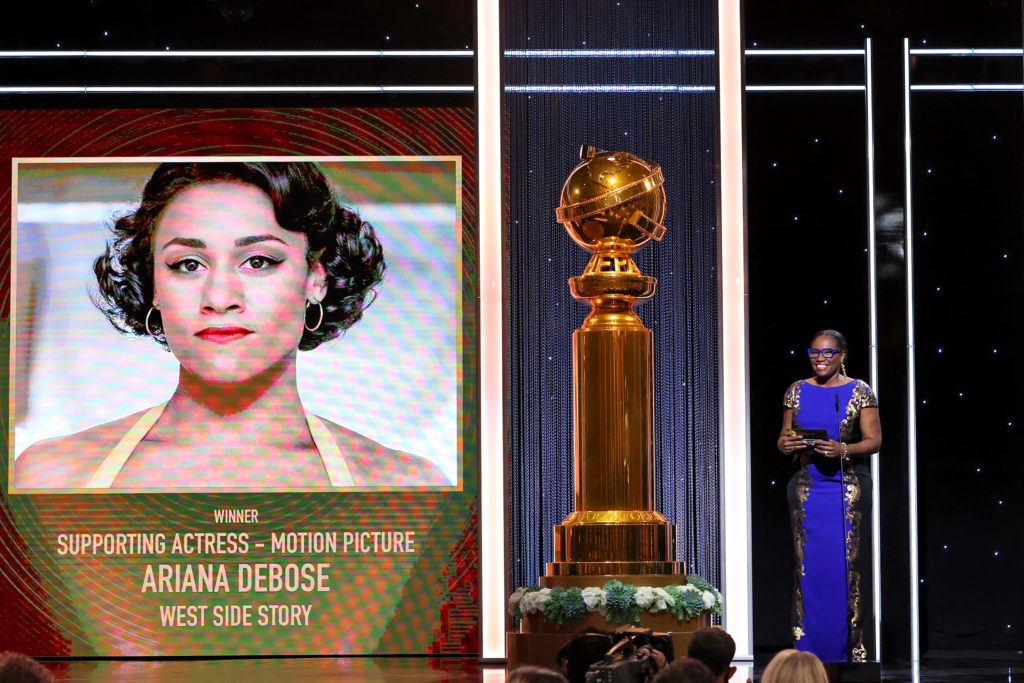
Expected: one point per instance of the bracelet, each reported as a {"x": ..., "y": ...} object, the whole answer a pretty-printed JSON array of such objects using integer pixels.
[{"x": 844, "y": 449}]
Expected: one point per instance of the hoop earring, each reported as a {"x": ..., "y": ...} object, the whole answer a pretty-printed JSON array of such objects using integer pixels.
[
  {"x": 320, "y": 320},
  {"x": 149, "y": 313}
]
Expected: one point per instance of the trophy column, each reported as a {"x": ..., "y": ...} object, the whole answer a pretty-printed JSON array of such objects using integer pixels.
[{"x": 615, "y": 529}]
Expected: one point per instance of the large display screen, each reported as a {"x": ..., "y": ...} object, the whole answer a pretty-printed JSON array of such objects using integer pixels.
[{"x": 240, "y": 416}]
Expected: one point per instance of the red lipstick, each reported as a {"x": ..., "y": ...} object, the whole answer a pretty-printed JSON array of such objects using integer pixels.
[{"x": 222, "y": 335}]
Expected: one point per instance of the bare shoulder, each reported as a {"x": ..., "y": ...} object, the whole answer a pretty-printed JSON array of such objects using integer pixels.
[
  {"x": 372, "y": 464},
  {"x": 69, "y": 461}
]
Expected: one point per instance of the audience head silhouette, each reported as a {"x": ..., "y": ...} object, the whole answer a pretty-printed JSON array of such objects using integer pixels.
[
  {"x": 794, "y": 666},
  {"x": 715, "y": 648}
]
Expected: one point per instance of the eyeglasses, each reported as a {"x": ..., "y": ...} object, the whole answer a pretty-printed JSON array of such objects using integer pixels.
[{"x": 824, "y": 353}]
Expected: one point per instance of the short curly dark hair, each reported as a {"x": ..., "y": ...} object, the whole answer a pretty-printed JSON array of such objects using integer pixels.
[{"x": 338, "y": 238}]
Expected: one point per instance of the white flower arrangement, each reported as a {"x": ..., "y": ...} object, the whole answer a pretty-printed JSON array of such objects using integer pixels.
[
  {"x": 618, "y": 602},
  {"x": 513, "y": 600},
  {"x": 533, "y": 601},
  {"x": 593, "y": 598}
]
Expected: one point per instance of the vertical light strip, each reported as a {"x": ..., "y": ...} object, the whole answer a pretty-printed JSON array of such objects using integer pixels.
[
  {"x": 492, "y": 427},
  {"x": 735, "y": 483},
  {"x": 876, "y": 527},
  {"x": 872, "y": 273},
  {"x": 915, "y": 594}
]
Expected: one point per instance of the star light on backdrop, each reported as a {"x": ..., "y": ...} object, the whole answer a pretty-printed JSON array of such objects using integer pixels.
[{"x": 981, "y": 399}]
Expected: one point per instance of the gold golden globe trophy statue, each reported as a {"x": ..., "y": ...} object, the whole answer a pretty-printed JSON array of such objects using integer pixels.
[{"x": 612, "y": 204}]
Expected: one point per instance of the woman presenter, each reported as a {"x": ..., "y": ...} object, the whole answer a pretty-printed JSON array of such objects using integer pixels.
[
  {"x": 233, "y": 268},
  {"x": 830, "y": 427}
]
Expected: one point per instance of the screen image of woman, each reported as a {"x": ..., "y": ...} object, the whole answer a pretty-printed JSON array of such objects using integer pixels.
[
  {"x": 233, "y": 268},
  {"x": 830, "y": 427}
]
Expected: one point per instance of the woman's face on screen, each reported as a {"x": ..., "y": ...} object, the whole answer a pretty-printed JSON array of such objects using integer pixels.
[{"x": 231, "y": 284}]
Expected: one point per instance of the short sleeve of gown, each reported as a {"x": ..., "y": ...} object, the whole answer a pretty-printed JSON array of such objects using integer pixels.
[
  {"x": 792, "y": 397},
  {"x": 869, "y": 399}
]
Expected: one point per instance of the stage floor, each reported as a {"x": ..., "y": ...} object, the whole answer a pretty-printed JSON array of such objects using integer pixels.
[
  {"x": 275, "y": 670},
  {"x": 979, "y": 668}
]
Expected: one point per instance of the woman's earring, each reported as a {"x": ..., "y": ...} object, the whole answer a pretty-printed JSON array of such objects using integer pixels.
[
  {"x": 842, "y": 367},
  {"x": 149, "y": 313},
  {"x": 320, "y": 320}
]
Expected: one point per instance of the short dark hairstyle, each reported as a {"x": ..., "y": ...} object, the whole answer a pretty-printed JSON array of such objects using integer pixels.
[
  {"x": 839, "y": 339},
  {"x": 338, "y": 238},
  {"x": 714, "y": 647},
  {"x": 685, "y": 670}
]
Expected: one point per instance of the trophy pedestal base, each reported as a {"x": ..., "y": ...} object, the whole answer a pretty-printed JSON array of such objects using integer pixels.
[
  {"x": 616, "y": 537},
  {"x": 538, "y": 640},
  {"x": 583, "y": 574}
]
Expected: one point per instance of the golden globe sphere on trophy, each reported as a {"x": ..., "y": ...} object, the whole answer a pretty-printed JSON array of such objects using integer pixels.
[{"x": 612, "y": 204}]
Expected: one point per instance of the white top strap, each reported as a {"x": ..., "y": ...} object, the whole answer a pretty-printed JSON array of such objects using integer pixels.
[
  {"x": 111, "y": 466},
  {"x": 330, "y": 454}
]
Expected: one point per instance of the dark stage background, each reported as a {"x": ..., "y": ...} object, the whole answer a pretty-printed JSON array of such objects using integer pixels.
[
  {"x": 808, "y": 269},
  {"x": 553, "y": 104}
]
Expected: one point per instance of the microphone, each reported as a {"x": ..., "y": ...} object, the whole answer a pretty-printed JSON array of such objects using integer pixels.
[{"x": 838, "y": 425}]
